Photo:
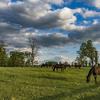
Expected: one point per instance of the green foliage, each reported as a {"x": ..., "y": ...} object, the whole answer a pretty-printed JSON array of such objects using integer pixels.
[
  {"x": 28, "y": 61},
  {"x": 88, "y": 50},
  {"x": 51, "y": 62},
  {"x": 3, "y": 55},
  {"x": 44, "y": 84},
  {"x": 34, "y": 49},
  {"x": 17, "y": 59}
]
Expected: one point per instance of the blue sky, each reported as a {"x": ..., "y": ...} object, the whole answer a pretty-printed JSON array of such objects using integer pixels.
[{"x": 58, "y": 26}]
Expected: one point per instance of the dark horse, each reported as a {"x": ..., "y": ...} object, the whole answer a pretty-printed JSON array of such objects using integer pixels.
[
  {"x": 93, "y": 71},
  {"x": 58, "y": 66},
  {"x": 77, "y": 65}
]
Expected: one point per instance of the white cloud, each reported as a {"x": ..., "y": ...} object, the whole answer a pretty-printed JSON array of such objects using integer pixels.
[
  {"x": 38, "y": 14},
  {"x": 95, "y": 22},
  {"x": 86, "y": 13},
  {"x": 3, "y": 3},
  {"x": 97, "y": 3},
  {"x": 61, "y": 59},
  {"x": 90, "y": 13},
  {"x": 46, "y": 1}
]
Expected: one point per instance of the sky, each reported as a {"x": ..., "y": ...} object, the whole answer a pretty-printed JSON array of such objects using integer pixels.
[{"x": 58, "y": 26}]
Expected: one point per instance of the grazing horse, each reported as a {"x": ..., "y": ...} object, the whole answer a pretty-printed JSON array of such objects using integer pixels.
[
  {"x": 43, "y": 65},
  {"x": 77, "y": 65},
  {"x": 67, "y": 65},
  {"x": 93, "y": 71},
  {"x": 58, "y": 66}
]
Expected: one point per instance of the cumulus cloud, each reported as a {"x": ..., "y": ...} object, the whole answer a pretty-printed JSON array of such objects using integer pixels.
[
  {"x": 89, "y": 13},
  {"x": 14, "y": 40},
  {"x": 92, "y": 33},
  {"x": 51, "y": 40},
  {"x": 61, "y": 59},
  {"x": 3, "y": 3},
  {"x": 32, "y": 13},
  {"x": 86, "y": 12},
  {"x": 6, "y": 28},
  {"x": 97, "y": 3},
  {"x": 45, "y": 1},
  {"x": 37, "y": 14}
]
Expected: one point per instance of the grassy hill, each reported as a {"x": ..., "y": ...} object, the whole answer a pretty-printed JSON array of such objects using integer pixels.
[{"x": 44, "y": 84}]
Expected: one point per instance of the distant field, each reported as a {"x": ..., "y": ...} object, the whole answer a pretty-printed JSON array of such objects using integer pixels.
[{"x": 44, "y": 84}]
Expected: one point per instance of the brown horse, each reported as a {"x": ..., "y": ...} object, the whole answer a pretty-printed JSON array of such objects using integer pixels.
[
  {"x": 77, "y": 65},
  {"x": 93, "y": 71},
  {"x": 58, "y": 66}
]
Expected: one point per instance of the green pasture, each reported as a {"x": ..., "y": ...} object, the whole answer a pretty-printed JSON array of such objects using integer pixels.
[{"x": 44, "y": 84}]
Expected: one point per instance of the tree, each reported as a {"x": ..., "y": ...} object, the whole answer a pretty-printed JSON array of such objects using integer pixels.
[
  {"x": 96, "y": 57},
  {"x": 88, "y": 50},
  {"x": 27, "y": 58},
  {"x": 16, "y": 59},
  {"x": 82, "y": 52},
  {"x": 3, "y": 55},
  {"x": 34, "y": 49}
]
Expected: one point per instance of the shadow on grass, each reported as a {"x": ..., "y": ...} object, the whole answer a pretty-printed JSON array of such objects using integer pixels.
[
  {"x": 47, "y": 76},
  {"x": 5, "y": 81},
  {"x": 50, "y": 78},
  {"x": 54, "y": 78},
  {"x": 74, "y": 93},
  {"x": 96, "y": 97}
]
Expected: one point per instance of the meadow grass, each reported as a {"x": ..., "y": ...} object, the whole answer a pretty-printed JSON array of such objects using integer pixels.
[{"x": 44, "y": 84}]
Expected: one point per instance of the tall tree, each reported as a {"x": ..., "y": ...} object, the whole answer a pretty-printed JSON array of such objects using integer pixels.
[
  {"x": 96, "y": 57},
  {"x": 16, "y": 59},
  {"x": 82, "y": 53},
  {"x": 88, "y": 50},
  {"x": 34, "y": 49},
  {"x": 27, "y": 58},
  {"x": 3, "y": 55}
]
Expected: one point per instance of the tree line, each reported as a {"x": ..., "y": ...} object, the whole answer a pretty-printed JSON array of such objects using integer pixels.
[
  {"x": 17, "y": 58},
  {"x": 87, "y": 50},
  {"x": 20, "y": 59}
]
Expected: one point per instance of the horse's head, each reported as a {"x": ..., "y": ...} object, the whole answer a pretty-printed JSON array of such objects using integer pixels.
[{"x": 87, "y": 79}]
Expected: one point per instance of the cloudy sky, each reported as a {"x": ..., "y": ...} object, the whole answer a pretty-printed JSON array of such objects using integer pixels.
[{"x": 59, "y": 26}]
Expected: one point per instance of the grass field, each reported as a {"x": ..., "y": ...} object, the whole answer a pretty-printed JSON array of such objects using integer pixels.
[{"x": 44, "y": 84}]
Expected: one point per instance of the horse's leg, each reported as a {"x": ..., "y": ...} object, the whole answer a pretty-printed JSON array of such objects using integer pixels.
[
  {"x": 95, "y": 77},
  {"x": 53, "y": 68},
  {"x": 57, "y": 69},
  {"x": 61, "y": 69},
  {"x": 64, "y": 67}
]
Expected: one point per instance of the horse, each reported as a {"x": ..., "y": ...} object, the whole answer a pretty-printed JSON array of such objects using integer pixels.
[
  {"x": 58, "y": 66},
  {"x": 67, "y": 65},
  {"x": 43, "y": 65},
  {"x": 77, "y": 65},
  {"x": 93, "y": 71}
]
